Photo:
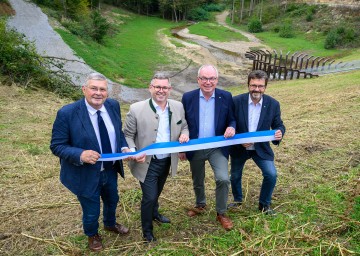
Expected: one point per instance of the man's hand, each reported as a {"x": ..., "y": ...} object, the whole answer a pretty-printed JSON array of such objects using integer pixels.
[
  {"x": 182, "y": 156},
  {"x": 127, "y": 150},
  {"x": 246, "y": 145},
  {"x": 230, "y": 132},
  {"x": 183, "y": 138},
  {"x": 89, "y": 156},
  {"x": 278, "y": 135},
  {"x": 140, "y": 159}
]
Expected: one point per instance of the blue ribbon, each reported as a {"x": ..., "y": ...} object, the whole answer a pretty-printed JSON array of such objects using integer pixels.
[{"x": 195, "y": 144}]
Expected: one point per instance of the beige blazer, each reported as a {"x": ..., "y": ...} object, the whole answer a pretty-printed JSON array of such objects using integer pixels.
[{"x": 140, "y": 130}]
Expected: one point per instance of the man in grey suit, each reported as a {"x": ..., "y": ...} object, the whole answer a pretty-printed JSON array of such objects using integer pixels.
[
  {"x": 81, "y": 132},
  {"x": 157, "y": 119}
]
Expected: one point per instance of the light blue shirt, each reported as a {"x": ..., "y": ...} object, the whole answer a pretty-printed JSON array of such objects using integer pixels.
[{"x": 207, "y": 116}]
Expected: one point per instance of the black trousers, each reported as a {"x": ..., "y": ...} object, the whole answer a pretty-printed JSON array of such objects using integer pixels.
[{"x": 151, "y": 189}]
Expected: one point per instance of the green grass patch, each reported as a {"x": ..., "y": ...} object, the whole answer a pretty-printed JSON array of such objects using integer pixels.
[
  {"x": 216, "y": 32},
  {"x": 311, "y": 43},
  {"x": 131, "y": 55}
]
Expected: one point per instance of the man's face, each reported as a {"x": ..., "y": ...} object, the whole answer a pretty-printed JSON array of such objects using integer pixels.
[
  {"x": 160, "y": 90},
  {"x": 207, "y": 80},
  {"x": 256, "y": 89},
  {"x": 95, "y": 92}
]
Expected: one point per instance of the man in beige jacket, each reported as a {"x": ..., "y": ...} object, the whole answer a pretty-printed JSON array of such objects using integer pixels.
[{"x": 157, "y": 119}]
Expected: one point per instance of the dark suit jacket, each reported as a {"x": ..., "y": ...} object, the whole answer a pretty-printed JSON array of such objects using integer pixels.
[
  {"x": 72, "y": 134},
  {"x": 224, "y": 115},
  {"x": 270, "y": 117}
]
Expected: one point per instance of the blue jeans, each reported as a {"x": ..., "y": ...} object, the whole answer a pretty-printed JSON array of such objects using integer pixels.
[
  {"x": 107, "y": 190},
  {"x": 268, "y": 171}
]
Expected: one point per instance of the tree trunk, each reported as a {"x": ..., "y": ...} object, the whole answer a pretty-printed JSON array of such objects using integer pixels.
[
  {"x": 251, "y": 7},
  {"x": 233, "y": 12},
  {"x": 241, "y": 10},
  {"x": 175, "y": 14}
]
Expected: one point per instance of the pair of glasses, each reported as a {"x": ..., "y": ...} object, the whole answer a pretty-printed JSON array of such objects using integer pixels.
[
  {"x": 95, "y": 89},
  {"x": 159, "y": 88},
  {"x": 205, "y": 79},
  {"x": 254, "y": 86}
]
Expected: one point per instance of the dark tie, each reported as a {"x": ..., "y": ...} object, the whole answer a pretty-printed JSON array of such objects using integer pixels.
[{"x": 105, "y": 141}]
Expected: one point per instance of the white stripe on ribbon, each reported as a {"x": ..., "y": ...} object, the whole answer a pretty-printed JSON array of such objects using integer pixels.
[{"x": 195, "y": 144}]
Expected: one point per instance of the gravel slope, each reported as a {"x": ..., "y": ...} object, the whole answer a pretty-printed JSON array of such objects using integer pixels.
[{"x": 34, "y": 24}]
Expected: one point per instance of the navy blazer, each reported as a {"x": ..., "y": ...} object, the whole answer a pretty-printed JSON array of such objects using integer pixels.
[
  {"x": 224, "y": 115},
  {"x": 270, "y": 117},
  {"x": 73, "y": 133}
]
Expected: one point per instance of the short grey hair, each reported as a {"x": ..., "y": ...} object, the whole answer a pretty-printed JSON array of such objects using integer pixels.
[
  {"x": 206, "y": 66},
  {"x": 95, "y": 76},
  {"x": 160, "y": 76}
]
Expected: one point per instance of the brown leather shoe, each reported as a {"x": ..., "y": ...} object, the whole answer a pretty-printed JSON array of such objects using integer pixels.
[
  {"x": 199, "y": 209},
  {"x": 95, "y": 243},
  {"x": 118, "y": 229},
  {"x": 225, "y": 221}
]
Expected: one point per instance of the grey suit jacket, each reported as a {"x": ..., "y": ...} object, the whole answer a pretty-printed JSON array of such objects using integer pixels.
[{"x": 140, "y": 130}]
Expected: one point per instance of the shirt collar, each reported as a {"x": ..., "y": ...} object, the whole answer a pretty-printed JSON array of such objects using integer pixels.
[
  {"x": 157, "y": 107},
  {"x": 251, "y": 102},
  {"x": 92, "y": 110},
  {"x": 202, "y": 95}
]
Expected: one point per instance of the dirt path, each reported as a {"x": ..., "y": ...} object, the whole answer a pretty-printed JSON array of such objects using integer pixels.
[
  {"x": 233, "y": 66},
  {"x": 221, "y": 19}
]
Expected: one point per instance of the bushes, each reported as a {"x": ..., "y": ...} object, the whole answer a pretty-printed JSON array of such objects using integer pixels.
[
  {"x": 202, "y": 13},
  {"x": 214, "y": 7},
  {"x": 23, "y": 65},
  {"x": 340, "y": 36},
  {"x": 286, "y": 30},
  {"x": 198, "y": 14},
  {"x": 255, "y": 25},
  {"x": 94, "y": 27}
]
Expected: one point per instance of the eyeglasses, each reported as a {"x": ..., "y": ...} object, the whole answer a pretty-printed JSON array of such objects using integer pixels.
[
  {"x": 205, "y": 79},
  {"x": 159, "y": 88},
  {"x": 96, "y": 89},
  {"x": 260, "y": 87}
]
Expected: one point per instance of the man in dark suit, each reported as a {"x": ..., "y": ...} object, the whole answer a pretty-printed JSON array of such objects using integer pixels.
[
  {"x": 81, "y": 131},
  {"x": 255, "y": 111},
  {"x": 209, "y": 112}
]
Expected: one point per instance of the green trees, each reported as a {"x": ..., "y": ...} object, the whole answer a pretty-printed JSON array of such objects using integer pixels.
[
  {"x": 255, "y": 25},
  {"x": 80, "y": 17}
]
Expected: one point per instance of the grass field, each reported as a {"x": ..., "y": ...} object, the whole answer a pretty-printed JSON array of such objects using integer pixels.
[
  {"x": 216, "y": 32},
  {"x": 317, "y": 196},
  {"x": 131, "y": 55}
]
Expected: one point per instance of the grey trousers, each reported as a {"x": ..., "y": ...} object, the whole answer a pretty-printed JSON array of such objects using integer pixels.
[{"x": 219, "y": 165}]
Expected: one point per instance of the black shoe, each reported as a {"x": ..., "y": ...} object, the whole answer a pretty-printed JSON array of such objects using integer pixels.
[
  {"x": 234, "y": 205},
  {"x": 149, "y": 238},
  {"x": 161, "y": 219},
  {"x": 266, "y": 209}
]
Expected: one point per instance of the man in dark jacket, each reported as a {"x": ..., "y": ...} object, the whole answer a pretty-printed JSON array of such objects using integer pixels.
[
  {"x": 255, "y": 111},
  {"x": 81, "y": 132}
]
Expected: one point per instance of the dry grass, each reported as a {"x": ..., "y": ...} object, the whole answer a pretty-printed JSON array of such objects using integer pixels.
[{"x": 317, "y": 194}]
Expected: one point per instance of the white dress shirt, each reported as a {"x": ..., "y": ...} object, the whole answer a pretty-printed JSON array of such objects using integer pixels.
[
  {"x": 163, "y": 131},
  {"x": 254, "y": 115},
  {"x": 108, "y": 123}
]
